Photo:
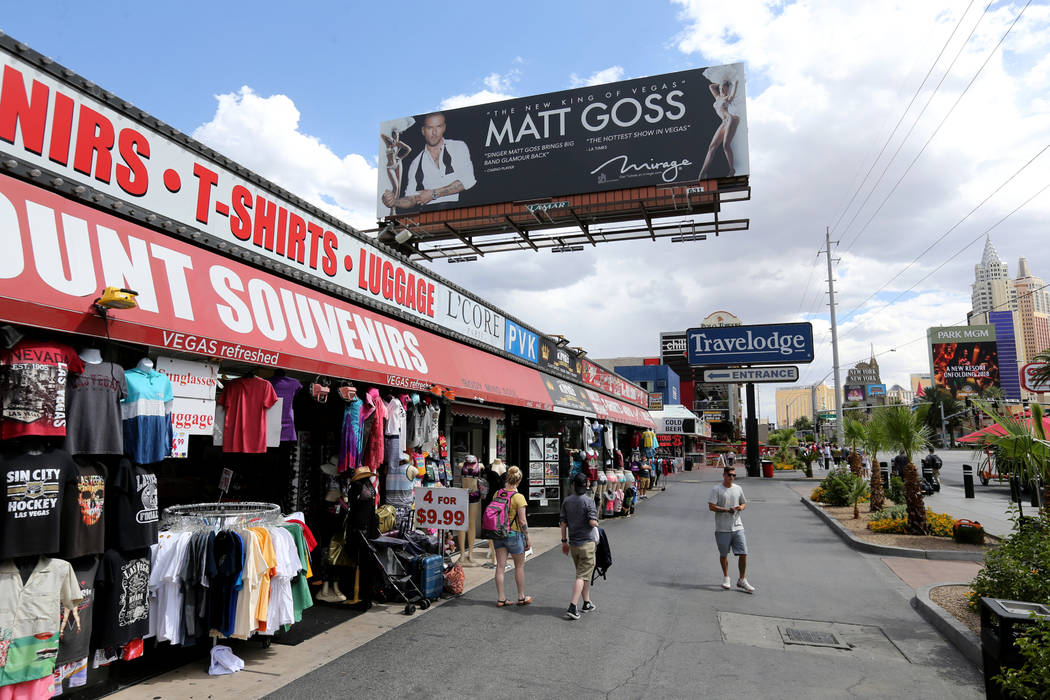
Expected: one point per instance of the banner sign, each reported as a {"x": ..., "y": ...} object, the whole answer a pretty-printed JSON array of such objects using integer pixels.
[
  {"x": 765, "y": 344},
  {"x": 608, "y": 408},
  {"x": 567, "y": 395},
  {"x": 965, "y": 359},
  {"x": 192, "y": 380},
  {"x": 598, "y": 376},
  {"x": 1028, "y": 380},
  {"x": 634, "y": 133},
  {"x": 521, "y": 342},
  {"x": 61, "y": 129},
  {"x": 558, "y": 361},
  {"x": 58, "y": 255},
  {"x": 656, "y": 401}
]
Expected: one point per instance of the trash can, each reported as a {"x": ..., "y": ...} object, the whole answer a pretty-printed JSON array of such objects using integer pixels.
[
  {"x": 1002, "y": 621},
  {"x": 767, "y": 468}
]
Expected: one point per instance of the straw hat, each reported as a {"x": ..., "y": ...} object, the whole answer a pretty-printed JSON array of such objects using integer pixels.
[
  {"x": 362, "y": 473},
  {"x": 411, "y": 472}
]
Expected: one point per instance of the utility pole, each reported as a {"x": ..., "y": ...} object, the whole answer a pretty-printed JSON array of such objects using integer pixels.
[{"x": 834, "y": 341}]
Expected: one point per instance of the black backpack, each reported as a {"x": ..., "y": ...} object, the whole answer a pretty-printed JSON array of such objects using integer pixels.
[{"x": 602, "y": 556}]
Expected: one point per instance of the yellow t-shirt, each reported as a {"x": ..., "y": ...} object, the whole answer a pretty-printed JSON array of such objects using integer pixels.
[{"x": 516, "y": 502}]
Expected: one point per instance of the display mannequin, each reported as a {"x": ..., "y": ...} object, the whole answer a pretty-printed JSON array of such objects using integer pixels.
[
  {"x": 145, "y": 364},
  {"x": 470, "y": 472},
  {"x": 91, "y": 356},
  {"x": 336, "y": 497}
]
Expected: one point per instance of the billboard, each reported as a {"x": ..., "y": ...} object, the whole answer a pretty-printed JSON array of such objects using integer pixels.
[
  {"x": 765, "y": 344},
  {"x": 661, "y": 130},
  {"x": 854, "y": 392},
  {"x": 964, "y": 359},
  {"x": 875, "y": 389}
]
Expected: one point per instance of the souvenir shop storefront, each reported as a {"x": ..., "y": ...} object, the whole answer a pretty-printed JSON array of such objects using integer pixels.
[
  {"x": 243, "y": 412},
  {"x": 681, "y": 436}
]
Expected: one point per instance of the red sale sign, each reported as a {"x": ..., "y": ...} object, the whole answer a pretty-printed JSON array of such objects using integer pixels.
[{"x": 58, "y": 255}]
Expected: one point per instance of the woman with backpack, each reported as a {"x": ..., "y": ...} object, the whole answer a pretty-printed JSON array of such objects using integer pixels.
[{"x": 504, "y": 523}]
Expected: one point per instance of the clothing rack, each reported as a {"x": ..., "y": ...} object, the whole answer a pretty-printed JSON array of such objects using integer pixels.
[{"x": 222, "y": 514}]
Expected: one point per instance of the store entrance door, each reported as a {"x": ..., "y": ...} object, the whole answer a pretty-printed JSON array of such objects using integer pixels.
[{"x": 470, "y": 436}]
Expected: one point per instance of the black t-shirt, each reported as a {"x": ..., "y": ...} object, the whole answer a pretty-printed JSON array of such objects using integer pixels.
[
  {"x": 227, "y": 552},
  {"x": 121, "y": 598},
  {"x": 131, "y": 507},
  {"x": 75, "y": 636},
  {"x": 34, "y": 490},
  {"x": 83, "y": 513}
]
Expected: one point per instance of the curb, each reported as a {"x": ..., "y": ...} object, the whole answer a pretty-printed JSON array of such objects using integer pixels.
[
  {"x": 961, "y": 637},
  {"x": 848, "y": 538}
]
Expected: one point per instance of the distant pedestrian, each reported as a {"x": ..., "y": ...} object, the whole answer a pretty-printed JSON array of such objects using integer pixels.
[
  {"x": 730, "y": 457},
  {"x": 827, "y": 456},
  {"x": 900, "y": 462},
  {"x": 644, "y": 474},
  {"x": 727, "y": 502},
  {"x": 579, "y": 530}
]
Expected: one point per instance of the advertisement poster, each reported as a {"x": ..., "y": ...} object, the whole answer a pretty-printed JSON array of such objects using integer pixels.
[
  {"x": 559, "y": 361},
  {"x": 550, "y": 449},
  {"x": 551, "y": 471},
  {"x": 965, "y": 360},
  {"x": 535, "y": 449},
  {"x": 535, "y": 473},
  {"x": 854, "y": 393},
  {"x": 536, "y": 494},
  {"x": 653, "y": 131}
]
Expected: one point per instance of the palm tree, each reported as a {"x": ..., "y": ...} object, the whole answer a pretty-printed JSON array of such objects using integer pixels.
[
  {"x": 906, "y": 433},
  {"x": 873, "y": 440},
  {"x": 784, "y": 439},
  {"x": 858, "y": 489},
  {"x": 1042, "y": 375},
  {"x": 929, "y": 410},
  {"x": 853, "y": 435}
]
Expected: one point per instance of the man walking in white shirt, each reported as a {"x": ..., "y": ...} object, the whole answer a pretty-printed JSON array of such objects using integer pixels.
[{"x": 727, "y": 502}]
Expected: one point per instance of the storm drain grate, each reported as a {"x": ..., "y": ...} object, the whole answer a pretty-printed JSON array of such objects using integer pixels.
[{"x": 813, "y": 638}]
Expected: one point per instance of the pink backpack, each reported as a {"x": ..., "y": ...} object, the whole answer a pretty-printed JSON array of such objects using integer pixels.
[{"x": 495, "y": 521}]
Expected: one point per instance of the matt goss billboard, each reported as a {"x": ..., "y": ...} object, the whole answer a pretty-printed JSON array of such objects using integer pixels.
[{"x": 677, "y": 127}]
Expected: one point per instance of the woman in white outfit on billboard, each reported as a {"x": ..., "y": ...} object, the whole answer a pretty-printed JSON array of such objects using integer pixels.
[{"x": 724, "y": 88}]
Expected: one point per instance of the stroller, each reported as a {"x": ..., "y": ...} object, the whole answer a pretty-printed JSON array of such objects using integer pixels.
[{"x": 395, "y": 582}]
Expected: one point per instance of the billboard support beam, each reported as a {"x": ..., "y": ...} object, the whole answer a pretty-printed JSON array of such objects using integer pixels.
[
  {"x": 521, "y": 232},
  {"x": 463, "y": 238},
  {"x": 583, "y": 227}
]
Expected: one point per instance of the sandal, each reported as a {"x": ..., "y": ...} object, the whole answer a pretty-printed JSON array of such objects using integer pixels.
[
  {"x": 525, "y": 601},
  {"x": 502, "y": 603}
]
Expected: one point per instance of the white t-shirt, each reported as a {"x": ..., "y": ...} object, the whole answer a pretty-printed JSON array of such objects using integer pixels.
[
  {"x": 165, "y": 585},
  {"x": 280, "y": 611},
  {"x": 727, "y": 498}
]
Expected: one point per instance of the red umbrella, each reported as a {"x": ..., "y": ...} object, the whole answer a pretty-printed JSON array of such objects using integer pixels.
[{"x": 996, "y": 430}]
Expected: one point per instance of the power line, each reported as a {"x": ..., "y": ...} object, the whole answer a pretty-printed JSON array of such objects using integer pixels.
[{"x": 943, "y": 120}]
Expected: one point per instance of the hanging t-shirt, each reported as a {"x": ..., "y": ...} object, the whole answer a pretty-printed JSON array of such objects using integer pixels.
[
  {"x": 166, "y": 586},
  {"x": 301, "y": 598},
  {"x": 121, "y": 598},
  {"x": 83, "y": 513},
  {"x": 75, "y": 636},
  {"x": 33, "y": 378},
  {"x": 281, "y": 607},
  {"x": 95, "y": 422},
  {"x": 30, "y": 618},
  {"x": 33, "y": 497},
  {"x": 146, "y": 413},
  {"x": 246, "y": 400},
  {"x": 131, "y": 507},
  {"x": 227, "y": 550},
  {"x": 286, "y": 388}
]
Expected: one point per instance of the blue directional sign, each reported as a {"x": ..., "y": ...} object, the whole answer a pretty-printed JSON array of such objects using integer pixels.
[{"x": 765, "y": 344}]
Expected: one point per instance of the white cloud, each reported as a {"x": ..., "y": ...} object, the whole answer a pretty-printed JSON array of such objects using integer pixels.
[
  {"x": 606, "y": 75},
  {"x": 262, "y": 134},
  {"x": 498, "y": 86}
]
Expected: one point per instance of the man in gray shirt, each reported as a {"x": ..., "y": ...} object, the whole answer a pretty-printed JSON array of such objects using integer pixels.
[
  {"x": 579, "y": 517},
  {"x": 726, "y": 502}
]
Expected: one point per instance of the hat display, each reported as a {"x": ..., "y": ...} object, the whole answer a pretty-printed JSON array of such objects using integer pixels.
[
  {"x": 362, "y": 473},
  {"x": 411, "y": 472},
  {"x": 470, "y": 459},
  {"x": 331, "y": 467}
]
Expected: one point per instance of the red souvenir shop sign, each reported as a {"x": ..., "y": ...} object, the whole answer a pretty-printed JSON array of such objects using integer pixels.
[
  {"x": 669, "y": 440},
  {"x": 57, "y": 255},
  {"x": 608, "y": 408},
  {"x": 605, "y": 380}
]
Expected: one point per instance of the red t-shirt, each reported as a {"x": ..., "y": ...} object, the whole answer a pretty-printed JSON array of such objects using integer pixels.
[
  {"x": 246, "y": 400},
  {"x": 33, "y": 386}
]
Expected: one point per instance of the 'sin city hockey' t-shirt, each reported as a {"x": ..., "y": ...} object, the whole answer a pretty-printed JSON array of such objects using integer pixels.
[
  {"x": 34, "y": 492},
  {"x": 33, "y": 379},
  {"x": 131, "y": 507},
  {"x": 94, "y": 410}
]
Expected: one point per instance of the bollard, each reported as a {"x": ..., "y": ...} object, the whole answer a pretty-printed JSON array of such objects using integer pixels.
[
  {"x": 968, "y": 480},
  {"x": 884, "y": 467}
]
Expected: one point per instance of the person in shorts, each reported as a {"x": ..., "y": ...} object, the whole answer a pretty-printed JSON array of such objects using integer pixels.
[
  {"x": 644, "y": 474},
  {"x": 516, "y": 542},
  {"x": 727, "y": 502},
  {"x": 579, "y": 527}
]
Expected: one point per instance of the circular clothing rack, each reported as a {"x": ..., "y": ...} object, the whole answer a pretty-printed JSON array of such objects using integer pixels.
[{"x": 230, "y": 513}]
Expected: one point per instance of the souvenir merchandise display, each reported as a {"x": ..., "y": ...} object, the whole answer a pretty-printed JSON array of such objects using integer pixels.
[
  {"x": 33, "y": 388},
  {"x": 84, "y": 515},
  {"x": 286, "y": 388},
  {"x": 131, "y": 504},
  {"x": 77, "y": 623},
  {"x": 146, "y": 413},
  {"x": 246, "y": 400},
  {"x": 36, "y": 487},
  {"x": 121, "y": 598},
  {"x": 95, "y": 422}
]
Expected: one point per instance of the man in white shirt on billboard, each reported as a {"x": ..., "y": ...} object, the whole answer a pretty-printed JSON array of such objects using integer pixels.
[{"x": 439, "y": 173}]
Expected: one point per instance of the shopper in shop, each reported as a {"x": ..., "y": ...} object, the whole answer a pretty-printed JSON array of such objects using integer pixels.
[
  {"x": 727, "y": 502},
  {"x": 517, "y": 540},
  {"x": 579, "y": 530}
]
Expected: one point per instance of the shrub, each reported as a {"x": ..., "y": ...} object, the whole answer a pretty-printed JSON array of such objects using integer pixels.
[
  {"x": 1033, "y": 677},
  {"x": 837, "y": 486},
  {"x": 896, "y": 490},
  {"x": 892, "y": 513},
  {"x": 895, "y": 522},
  {"x": 940, "y": 524},
  {"x": 818, "y": 495},
  {"x": 893, "y": 526},
  {"x": 1017, "y": 569}
]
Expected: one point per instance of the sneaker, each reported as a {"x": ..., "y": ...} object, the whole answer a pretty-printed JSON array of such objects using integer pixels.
[
  {"x": 747, "y": 587},
  {"x": 587, "y": 606},
  {"x": 726, "y": 583},
  {"x": 572, "y": 613}
]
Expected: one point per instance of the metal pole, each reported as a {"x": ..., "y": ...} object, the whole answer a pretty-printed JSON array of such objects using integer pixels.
[
  {"x": 944, "y": 428},
  {"x": 751, "y": 432},
  {"x": 834, "y": 343}
]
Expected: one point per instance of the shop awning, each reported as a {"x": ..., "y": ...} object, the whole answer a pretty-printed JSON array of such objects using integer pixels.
[
  {"x": 608, "y": 408},
  {"x": 466, "y": 408},
  {"x": 675, "y": 418}
]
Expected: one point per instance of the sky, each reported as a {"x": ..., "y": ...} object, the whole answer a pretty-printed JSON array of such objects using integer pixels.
[{"x": 910, "y": 130}]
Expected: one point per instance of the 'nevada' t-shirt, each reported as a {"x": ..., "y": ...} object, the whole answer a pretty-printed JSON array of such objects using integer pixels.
[
  {"x": 33, "y": 388},
  {"x": 33, "y": 496}
]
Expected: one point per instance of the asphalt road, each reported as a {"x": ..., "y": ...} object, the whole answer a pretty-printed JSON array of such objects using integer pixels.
[{"x": 665, "y": 629}]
